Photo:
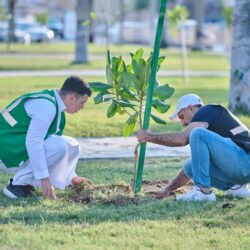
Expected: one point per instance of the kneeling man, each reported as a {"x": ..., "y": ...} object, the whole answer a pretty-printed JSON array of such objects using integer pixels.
[
  {"x": 220, "y": 150},
  {"x": 31, "y": 140}
]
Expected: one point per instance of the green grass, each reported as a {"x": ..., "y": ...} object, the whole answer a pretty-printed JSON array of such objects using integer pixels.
[
  {"x": 64, "y": 47},
  {"x": 52, "y": 62},
  {"x": 69, "y": 48},
  {"x": 35, "y": 223},
  {"x": 92, "y": 121},
  {"x": 60, "y": 56}
]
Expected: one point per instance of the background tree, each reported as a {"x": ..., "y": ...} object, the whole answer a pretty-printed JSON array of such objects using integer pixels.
[
  {"x": 10, "y": 17},
  {"x": 42, "y": 18},
  {"x": 240, "y": 59},
  {"x": 121, "y": 20},
  {"x": 2, "y": 16},
  {"x": 177, "y": 17},
  {"x": 199, "y": 14},
  {"x": 227, "y": 13},
  {"x": 83, "y": 9}
]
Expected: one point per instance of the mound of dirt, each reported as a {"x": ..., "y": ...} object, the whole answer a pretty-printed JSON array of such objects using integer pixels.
[{"x": 118, "y": 194}]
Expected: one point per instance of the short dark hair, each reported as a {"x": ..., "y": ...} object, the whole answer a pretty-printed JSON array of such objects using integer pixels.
[{"x": 75, "y": 84}]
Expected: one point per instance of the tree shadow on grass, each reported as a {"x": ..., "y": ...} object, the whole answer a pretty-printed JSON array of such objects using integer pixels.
[{"x": 35, "y": 211}]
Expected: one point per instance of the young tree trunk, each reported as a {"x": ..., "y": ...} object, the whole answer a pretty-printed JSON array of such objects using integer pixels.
[
  {"x": 121, "y": 20},
  {"x": 199, "y": 14},
  {"x": 83, "y": 14},
  {"x": 240, "y": 59}
]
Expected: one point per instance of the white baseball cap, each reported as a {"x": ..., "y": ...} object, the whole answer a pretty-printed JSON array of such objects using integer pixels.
[{"x": 184, "y": 102}]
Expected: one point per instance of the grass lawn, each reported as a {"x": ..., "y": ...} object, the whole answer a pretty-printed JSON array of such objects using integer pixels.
[
  {"x": 35, "y": 223},
  {"x": 53, "y": 62},
  {"x": 60, "y": 56},
  {"x": 92, "y": 121}
]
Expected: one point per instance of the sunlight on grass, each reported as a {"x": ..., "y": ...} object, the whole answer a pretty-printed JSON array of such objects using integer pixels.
[
  {"x": 35, "y": 223},
  {"x": 92, "y": 121}
]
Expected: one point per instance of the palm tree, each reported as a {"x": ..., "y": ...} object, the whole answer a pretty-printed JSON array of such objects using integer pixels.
[
  {"x": 240, "y": 60},
  {"x": 83, "y": 15}
]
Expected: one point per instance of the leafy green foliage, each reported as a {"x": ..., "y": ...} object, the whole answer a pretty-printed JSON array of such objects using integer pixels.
[
  {"x": 178, "y": 13},
  {"x": 163, "y": 92},
  {"x": 158, "y": 119},
  {"x": 227, "y": 13},
  {"x": 127, "y": 86},
  {"x": 98, "y": 86},
  {"x": 130, "y": 124},
  {"x": 42, "y": 18}
]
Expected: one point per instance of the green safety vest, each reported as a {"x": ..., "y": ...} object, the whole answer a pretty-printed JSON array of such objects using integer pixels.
[{"x": 14, "y": 123}]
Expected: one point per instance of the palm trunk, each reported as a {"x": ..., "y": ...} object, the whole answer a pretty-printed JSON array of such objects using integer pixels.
[{"x": 240, "y": 59}]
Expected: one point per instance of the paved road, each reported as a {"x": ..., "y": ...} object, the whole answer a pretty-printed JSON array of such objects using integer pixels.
[
  {"x": 121, "y": 147},
  {"x": 90, "y": 72}
]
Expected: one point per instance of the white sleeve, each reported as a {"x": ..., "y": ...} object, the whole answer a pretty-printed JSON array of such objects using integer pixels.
[{"x": 42, "y": 113}]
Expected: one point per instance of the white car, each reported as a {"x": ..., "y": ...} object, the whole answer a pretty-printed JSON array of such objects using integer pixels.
[
  {"x": 19, "y": 35},
  {"x": 37, "y": 32}
]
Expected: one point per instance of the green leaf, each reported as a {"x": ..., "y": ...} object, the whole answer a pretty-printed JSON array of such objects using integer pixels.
[
  {"x": 148, "y": 69},
  {"x": 161, "y": 59},
  {"x": 130, "y": 93},
  {"x": 130, "y": 125},
  {"x": 102, "y": 97},
  {"x": 121, "y": 111},
  {"x": 93, "y": 15},
  {"x": 131, "y": 54},
  {"x": 136, "y": 68},
  {"x": 120, "y": 64},
  {"x": 108, "y": 57},
  {"x": 99, "y": 86},
  {"x": 109, "y": 75},
  {"x": 142, "y": 73},
  {"x": 129, "y": 79},
  {"x": 158, "y": 119},
  {"x": 138, "y": 54},
  {"x": 124, "y": 104},
  {"x": 112, "y": 109},
  {"x": 164, "y": 92},
  {"x": 124, "y": 66},
  {"x": 86, "y": 22},
  {"x": 160, "y": 106},
  {"x": 129, "y": 68}
]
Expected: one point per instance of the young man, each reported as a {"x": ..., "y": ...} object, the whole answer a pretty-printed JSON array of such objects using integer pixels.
[
  {"x": 31, "y": 141},
  {"x": 220, "y": 146}
]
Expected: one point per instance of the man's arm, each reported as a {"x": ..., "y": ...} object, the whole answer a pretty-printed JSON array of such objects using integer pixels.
[
  {"x": 42, "y": 113},
  {"x": 180, "y": 180},
  {"x": 170, "y": 139}
]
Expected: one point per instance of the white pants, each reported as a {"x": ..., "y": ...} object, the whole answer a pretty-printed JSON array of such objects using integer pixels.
[{"x": 62, "y": 153}]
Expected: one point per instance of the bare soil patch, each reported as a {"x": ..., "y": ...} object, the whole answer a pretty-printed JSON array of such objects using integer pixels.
[{"x": 118, "y": 194}]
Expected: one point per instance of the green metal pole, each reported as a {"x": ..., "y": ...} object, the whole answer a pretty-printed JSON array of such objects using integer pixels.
[{"x": 150, "y": 93}]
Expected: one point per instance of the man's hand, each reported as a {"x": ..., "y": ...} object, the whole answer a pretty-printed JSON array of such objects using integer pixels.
[
  {"x": 78, "y": 180},
  {"x": 48, "y": 189},
  {"x": 143, "y": 135},
  {"x": 161, "y": 194}
]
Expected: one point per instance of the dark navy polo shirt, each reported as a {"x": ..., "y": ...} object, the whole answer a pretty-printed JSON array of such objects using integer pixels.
[{"x": 221, "y": 121}]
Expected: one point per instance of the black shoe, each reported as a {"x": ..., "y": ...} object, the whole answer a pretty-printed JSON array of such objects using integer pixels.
[{"x": 15, "y": 191}]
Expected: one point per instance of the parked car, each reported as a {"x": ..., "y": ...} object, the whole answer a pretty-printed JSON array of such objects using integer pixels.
[
  {"x": 19, "y": 35},
  {"x": 38, "y": 33},
  {"x": 57, "y": 28}
]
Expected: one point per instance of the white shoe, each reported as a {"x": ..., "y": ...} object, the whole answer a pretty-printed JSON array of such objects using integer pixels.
[
  {"x": 195, "y": 194},
  {"x": 239, "y": 191}
]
